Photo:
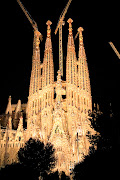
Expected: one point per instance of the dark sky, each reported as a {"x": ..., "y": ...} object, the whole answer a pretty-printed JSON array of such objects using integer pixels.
[{"x": 101, "y": 23}]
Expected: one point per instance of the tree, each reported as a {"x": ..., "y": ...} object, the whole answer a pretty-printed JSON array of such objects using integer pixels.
[
  {"x": 15, "y": 171},
  {"x": 56, "y": 176},
  {"x": 98, "y": 165},
  {"x": 36, "y": 156},
  {"x": 102, "y": 162}
]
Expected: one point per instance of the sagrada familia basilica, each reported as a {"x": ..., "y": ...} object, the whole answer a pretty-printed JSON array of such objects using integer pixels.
[{"x": 56, "y": 111}]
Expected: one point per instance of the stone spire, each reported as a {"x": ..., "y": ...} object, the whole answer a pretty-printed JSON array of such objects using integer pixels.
[
  {"x": 35, "y": 83},
  {"x": 83, "y": 73},
  {"x": 70, "y": 21},
  {"x": 9, "y": 107},
  {"x": 48, "y": 23},
  {"x": 71, "y": 57},
  {"x": 48, "y": 72},
  {"x": 35, "y": 80},
  {"x": 18, "y": 108},
  {"x": 80, "y": 30}
]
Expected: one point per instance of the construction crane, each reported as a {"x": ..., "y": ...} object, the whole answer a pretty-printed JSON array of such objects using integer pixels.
[
  {"x": 115, "y": 50},
  {"x": 31, "y": 20},
  {"x": 76, "y": 35},
  {"x": 59, "y": 26}
]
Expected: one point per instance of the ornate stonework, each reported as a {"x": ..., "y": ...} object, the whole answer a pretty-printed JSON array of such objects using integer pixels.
[{"x": 62, "y": 121}]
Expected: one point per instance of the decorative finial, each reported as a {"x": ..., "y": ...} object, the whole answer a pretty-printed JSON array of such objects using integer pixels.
[
  {"x": 9, "y": 99},
  {"x": 80, "y": 30},
  {"x": 70, "y": 25},
  {"x": 48, "y": 23},
  {"x": 37, "y": 37}
]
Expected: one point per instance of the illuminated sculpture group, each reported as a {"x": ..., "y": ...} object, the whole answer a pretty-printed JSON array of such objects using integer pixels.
[{"x": 56, "y": 111}]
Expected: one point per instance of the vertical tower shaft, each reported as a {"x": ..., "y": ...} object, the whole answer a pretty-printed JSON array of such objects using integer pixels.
[
  {"x": 47, "y": 86},
  {"x": 83, "y": 75},
  {"x": 71, "y": 57},
  {"x": 48, "y": 72},
  {"x": 35, "y": 83}
]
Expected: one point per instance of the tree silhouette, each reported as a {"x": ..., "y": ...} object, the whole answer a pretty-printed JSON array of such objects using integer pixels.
[
  {"x": 16, "y": 171},
  {"x": 37, "y": 157},
  {"x": 56, "y": 176},
  {"x": 101, "y": 163}
]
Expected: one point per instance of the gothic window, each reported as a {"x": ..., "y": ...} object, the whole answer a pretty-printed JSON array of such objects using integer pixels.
[
  {"x": 77, "y": 68},
  {"x": 72, "y": 102},
  {"x": 19, "y": 138},
  {"x": 45, "y": 103},
  {"x": 82, "y": 110},
  {"x": 72, "y": 94},
  {"x": 41, "y": 71},
  {"x": 84, "y": 101},
  {"x": 64, "y": 96},
  {"x": 87, "y": 102}
]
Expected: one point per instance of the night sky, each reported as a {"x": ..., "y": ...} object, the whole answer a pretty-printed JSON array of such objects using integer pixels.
[{"x": 101, "y": 23}]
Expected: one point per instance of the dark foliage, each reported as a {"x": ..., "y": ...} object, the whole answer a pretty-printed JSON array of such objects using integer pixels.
[
  {"x": 16, "y": 171},
  {"x": 35, "y": 160},
  {"x": 37, "y": 157},
  {"x": 98, "y": 165},
  {"x": 57, "y": 176},
  {"x": 103, "y": 162}
]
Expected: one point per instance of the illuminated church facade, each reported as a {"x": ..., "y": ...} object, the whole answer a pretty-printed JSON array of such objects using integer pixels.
[{"x": 56, "y": 111}]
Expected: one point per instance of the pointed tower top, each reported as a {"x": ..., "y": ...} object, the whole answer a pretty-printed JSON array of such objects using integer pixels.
[
  {"x": 80, "y": 30},
  {"x": 70, "y": 25},
  {"x": 70, "y": 21},
  {"x": 37, "y": 37},
  {"x": 9, "y": 99},
  {"x": 9, "y": 108},
  {"x": 48, "y": 23}
]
